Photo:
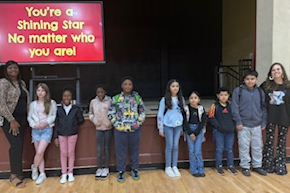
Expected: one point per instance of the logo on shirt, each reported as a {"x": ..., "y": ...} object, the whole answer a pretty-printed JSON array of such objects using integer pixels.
[{"x": 225, "y": 110}]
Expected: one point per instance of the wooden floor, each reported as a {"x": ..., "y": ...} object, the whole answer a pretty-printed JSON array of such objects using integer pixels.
[{"x": 156, "y": 181}]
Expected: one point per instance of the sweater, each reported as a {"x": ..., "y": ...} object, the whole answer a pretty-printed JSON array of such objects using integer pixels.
[
  {"x": 221, "y": 119},
  {"x": 125, "y": 113},
  {"x": 9, "y": 96},
  {"x": 98, "y": 113},
  {"x": 246, "y": 107},
  {"x": 33, "y": 117},
  {"x": 67, "y": 124},
  {"x": 172, "y": 117}
]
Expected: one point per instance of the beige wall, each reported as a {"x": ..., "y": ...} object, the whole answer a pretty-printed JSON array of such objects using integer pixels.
[{"x": 238, "y": 30}]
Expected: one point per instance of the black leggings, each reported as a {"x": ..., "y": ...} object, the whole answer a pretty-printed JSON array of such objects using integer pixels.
[
  {"x": 16, "y": 144},
  {"x": 104, "y": 143},
  {"x": 276, "y": 163}
]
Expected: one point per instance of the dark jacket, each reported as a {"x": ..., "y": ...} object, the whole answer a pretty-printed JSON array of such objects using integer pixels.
[
  {"x": 66, "y": 125},
  {"x": 220, "y": 117}
]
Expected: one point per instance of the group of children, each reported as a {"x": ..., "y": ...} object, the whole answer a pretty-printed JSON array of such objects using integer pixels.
[
  {"x": 246, "y": 115},
  {"x": 125, "y": 112}
]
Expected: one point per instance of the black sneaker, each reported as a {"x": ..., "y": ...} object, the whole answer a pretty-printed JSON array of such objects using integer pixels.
[
  {"x": 121, "y": 177},
  {"x": 201, "y": 174},
  {"x": 219, "y": 170},
  {"x": 260, "y": 171},
  {"x": 195, "y": 174},
  {"x": 232, "y": 170},
  {"x": 246, "y": 172}
]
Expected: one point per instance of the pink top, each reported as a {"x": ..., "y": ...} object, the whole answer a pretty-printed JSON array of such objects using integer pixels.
[{"x": 41, "y": 112}]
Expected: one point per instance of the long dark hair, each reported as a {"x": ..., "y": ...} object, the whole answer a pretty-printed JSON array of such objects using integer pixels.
[
  {"x": 6, "y": 76},
  {"x": 270, "y": 84},
  {"x": 167, "y": 96}
]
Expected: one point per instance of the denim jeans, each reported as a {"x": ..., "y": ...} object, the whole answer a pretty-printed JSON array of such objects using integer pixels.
[
  {"x": 250, "y": 137},
  {"x": 103, "y": 147},
  {"x": 172, "y": 135},
  {"x": 224, "y": 142},
  {"x": 195, "y": 152}
]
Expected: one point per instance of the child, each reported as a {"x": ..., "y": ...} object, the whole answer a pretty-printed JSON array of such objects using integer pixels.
[
  {"x": 41, "y": 117},
  {"x": 127, "y": 113},
  {"x": 169, "y": 122},
  {"x": 223, "y": 128},
  {"x": 250, "y": 116},
  {"x": 196, "y": 118},
  {"x": 68, "y": 118},
  {"x": 99, "y": 116}
]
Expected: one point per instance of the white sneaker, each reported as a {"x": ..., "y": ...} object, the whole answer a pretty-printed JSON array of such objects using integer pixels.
[
  {"x": 63, "y": 178},
  {"x": 105, "y": 173},
  {"x": 169, "y": 172},
  {"x": 34, "y": 172},
  {"x": 176, "y": 171},
  {"x": 99, "y": 173},
  {"x": 71, "y": 177},
  {"x": 40, "y": 178}
]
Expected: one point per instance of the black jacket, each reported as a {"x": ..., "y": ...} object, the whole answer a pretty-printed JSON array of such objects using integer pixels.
[{"x": 66, "y": 125}]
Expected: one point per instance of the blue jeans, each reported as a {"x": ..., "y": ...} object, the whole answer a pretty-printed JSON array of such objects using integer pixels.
[
  {"x": 195, "y": 152},
  {"x": 172, "y": 135},
  {"x": 223, "y": 142}
]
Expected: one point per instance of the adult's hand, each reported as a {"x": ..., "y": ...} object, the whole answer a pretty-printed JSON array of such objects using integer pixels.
[{"x": 14, "y": 127}]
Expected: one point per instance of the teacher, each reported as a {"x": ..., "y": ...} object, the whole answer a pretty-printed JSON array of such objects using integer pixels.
[{"x": 14, "y": 100}]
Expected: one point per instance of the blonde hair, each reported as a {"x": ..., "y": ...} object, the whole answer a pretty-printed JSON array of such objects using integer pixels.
[{"x": 47, "y": 99}]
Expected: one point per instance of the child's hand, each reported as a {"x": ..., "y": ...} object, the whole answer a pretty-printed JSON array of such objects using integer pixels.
[
  {"x": 56, "y": 142},
  {"x": 239, "y": 127},
  {"x": 181, "y": 133},
  {"x": 192, "y": 137},
  {"x": 263, "y": 128},
  {"x": 161, "y": 133}
]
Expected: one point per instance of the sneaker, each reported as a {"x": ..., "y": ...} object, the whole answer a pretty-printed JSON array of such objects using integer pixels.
[
  {"x": 176, "y": 171},
  {"x": 99, "y": 173},
  {"x": 219, "y": 170},
  {"x": 135, "y": 174},
  {"x": 169, "y": 172},
  {"x": 195, "y": 174},
  {"x": 63, "y": 178},
  {"x": 201, "y": 174},
  {"x": 232, "y": 170},
  {"x": 40, "y": 178},
  {"x": 260, "y": 171},
  {"x": 105, "y": 173},
  {"x": 121, "y": 177},
  {"x": 71, "y": 177},
  {"x": 34, "y": 174},
  {"x": 246, "y": 172}
]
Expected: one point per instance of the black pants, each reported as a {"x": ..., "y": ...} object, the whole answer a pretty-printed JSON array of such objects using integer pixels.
[
  {"x": 16, "y": 145},
  {"x": 104, "y": 143},
  {"x": 275, "y": 163}
]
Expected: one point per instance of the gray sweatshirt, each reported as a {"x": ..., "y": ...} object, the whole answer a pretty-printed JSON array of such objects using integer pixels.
[{"x": 246, "y": 107}]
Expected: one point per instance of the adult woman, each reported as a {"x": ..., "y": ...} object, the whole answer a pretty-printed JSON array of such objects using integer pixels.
[
  {"x": 14, "y": 99},
  {"x": 277, "y": 88}
]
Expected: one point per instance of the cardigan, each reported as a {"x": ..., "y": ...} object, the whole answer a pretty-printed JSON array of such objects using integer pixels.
[
  {"x": 33, "y": 117},
  {"x": 9, "y": 96}
]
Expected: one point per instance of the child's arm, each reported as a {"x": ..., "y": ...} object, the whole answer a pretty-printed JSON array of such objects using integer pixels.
[
  {"x": 212, "y": 119},
  {"x": 91, "y": 111},
  {"x": 80, "y": 116},
  {"x": 55, "y": 131},
  {"x": 160, "y": 115},
  {"x": 112, "y": 111},
  {"x": 235, "y": 108},
  {"x": 141, "y": 112},
  {"x": 52, "y": 113},
  {"x": 31, "y": 121},
  {"x": 201, "y": 124}
]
